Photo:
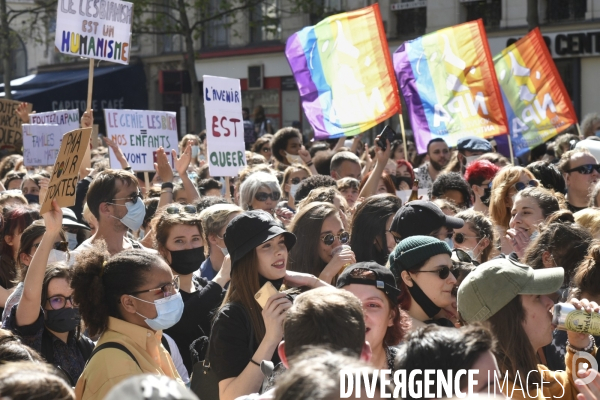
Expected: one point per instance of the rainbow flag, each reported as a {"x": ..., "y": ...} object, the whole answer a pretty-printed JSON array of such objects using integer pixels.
[
  {"x": 537, "y": 104},
  {"x": 449, "y": 84},
  {"x": 344, "y": 73}
]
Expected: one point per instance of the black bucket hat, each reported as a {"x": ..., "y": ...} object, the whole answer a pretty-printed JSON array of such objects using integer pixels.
[{"x": 249, "y": 230}]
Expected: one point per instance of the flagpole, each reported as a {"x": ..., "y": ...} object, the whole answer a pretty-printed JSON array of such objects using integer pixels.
[
  {"x": 512, "y": 156},
  {"x": 403, "y": 137},
  {"x": 90, "y": 85}
]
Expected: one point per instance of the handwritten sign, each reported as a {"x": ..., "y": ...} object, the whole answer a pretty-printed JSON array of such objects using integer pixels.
[
  {"x": 69, "y": 119},
  {"x": 94, "y": 29},
  {"x": 41, "y": 144},
  {"x": 224, "y": 125},
  {"x": 139, "y": 134},
  {"x": 11, "y": 137},
  {"x": 66, "y": 169}
]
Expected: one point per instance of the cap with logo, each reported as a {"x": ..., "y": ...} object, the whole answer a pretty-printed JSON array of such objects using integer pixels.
[{"x": 493, "y": 284}]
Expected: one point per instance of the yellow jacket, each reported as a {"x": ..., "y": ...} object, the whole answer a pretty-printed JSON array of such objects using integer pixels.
[
  {"x": 556, "y": 384},
  {"x": 110, "y": 366}
]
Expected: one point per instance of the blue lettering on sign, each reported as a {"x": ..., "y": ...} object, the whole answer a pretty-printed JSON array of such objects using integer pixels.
[
  {"x": 137, "y": 158},
  {"x": 226, "y": 96}
]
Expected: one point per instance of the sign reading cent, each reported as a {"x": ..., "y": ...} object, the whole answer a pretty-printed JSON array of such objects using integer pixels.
[{"x": 224, "y": 125}]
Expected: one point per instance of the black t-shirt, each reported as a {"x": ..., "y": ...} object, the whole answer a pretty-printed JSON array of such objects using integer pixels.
[
  {"x": 195, "y": 322},
  {"x": 229, "y": 352},
  {"x": 574, "y": 209}
]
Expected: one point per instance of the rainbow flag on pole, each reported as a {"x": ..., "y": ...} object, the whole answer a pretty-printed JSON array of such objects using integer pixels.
[
  {"x": 537, "y": 104},
  {"x": 449, "y": 84},
  {"x": 344, "y": 73}
]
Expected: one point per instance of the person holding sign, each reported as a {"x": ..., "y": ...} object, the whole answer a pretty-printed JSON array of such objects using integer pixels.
[{"x": 53, "y": 330}]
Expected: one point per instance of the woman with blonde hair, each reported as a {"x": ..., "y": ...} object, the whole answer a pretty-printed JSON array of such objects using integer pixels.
[
  {"x": 506, "y": 184},
  {"x": 589, "y": 218},
  {"x": 292, "y": 176}
]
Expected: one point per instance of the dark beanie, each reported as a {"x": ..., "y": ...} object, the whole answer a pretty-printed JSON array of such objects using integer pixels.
[{"x": 413, "y": 251}]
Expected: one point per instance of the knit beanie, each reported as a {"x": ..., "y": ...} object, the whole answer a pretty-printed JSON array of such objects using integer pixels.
[{"x": 413, "y": 251}]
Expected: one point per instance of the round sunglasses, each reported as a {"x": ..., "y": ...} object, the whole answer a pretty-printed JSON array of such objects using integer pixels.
[
  {"x": 443, "y": 272},
  {"x": 460, "y": 238},
  {"x": 520, "y": 185},
  {"x": 463, "y": 256},
  {"x": 262, "y": 196},
  {"x": 329, "y": 238}
]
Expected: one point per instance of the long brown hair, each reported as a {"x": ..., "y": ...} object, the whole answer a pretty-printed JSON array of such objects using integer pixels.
[
  {"x": 306, "y": 225},
  {"x": 514, "y": 351},
  {"x": 242, "y": 287},
  {"x": 586, "y": 278},
  {"x": 506, "y": 178}
]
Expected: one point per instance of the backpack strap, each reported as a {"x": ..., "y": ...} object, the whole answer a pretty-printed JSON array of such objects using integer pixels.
[
  {"x": 85, "y": 347},
  {"x": 114, "y": 345}
]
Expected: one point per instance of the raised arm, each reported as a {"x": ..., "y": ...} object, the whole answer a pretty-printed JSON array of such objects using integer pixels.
[
  {"x": 181, "y": 165},
  {"x": 382, "y": 157}
]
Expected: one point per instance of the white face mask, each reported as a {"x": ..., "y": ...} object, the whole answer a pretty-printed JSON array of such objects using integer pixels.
[
  {"x": 135, "y": 214},
  {"x": 469, "y": 160},
  {"x": 293, "y": 159},
  {"x": 293, "y": 189},
  {"x": 195, "y": 151},
  {"x": 72, "y": 238},
  {"x": 223, "y": 249},
  {"x": 57, "y": 256}
]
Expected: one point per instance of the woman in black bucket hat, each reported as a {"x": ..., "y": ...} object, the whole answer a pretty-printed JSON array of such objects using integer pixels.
[{"x": 243, "y": 335}]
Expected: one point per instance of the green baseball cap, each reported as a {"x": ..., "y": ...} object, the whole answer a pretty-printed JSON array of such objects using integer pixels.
[{"x": 492, "y": 285}]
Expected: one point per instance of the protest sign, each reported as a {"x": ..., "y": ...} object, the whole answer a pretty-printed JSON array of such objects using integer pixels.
[
  {"x": 99, "y": 30},
  {"x": 66, "y": 169},
  {"x": 69, "y": 119},
  {"x": 224, "y": 125},
  {"x": 139, "y": 133},
  {"x": 41, "y": 144},
  {"x": 10, "y": 125}
]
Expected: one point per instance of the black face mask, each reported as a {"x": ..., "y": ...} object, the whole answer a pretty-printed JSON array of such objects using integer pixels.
[
  {"x": 406, "y": 179},
  {"x": 423, "y": 301},
  {"x": 485, "y": 199},
  {"x": 32, "y": 198},
  {"x": 63, "y": 320},
  {"x": 185, "y": 262}
]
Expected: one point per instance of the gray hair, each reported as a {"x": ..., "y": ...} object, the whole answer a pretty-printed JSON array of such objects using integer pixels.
[
  {"x": 342, "y": 156},
  {"x": 252, "y": 185}
]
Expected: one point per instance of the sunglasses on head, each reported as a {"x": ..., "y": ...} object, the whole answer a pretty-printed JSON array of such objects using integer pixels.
[
  {"x": 188, "y": 209},
  {"x": 59, "y": 302},
  {"x": 586, "y": 169},
  {"x": 520, "y": 185},
  {"x": 329, "y": 238},
  {"x": 443, "y": 272},
  {"x": 262, "y": 196},
  {"x": 463, "y": 256}
]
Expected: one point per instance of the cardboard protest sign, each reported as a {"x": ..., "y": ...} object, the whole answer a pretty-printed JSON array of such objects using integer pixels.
[
  {"x": 66, "y": 169},
  {"x": 94, "y": 29},
  {"x": 139, "y": 133},
  {"x": 41, "y": 144},
  {"x": 69, "y": 119},
  {"x": 10, "y": 125},
  {"x": 224, "y": 126}
]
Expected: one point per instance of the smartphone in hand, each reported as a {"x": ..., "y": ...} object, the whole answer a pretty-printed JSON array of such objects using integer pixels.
[
  {"x": 386, "y": 134},
  {"x": 264, "y": 293}
]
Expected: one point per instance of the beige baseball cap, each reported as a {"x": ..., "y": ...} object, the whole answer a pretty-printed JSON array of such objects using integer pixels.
[{"x": 493, "y": 284}]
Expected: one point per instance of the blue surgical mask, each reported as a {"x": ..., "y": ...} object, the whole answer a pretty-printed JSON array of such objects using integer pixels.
[
  {"x": 169, "y": 311},
  {"x": 135, "y": 214},
  {"x": 293, "y": 190},
  {"x": 195, "y": 151},
  {"x": 72, "y": 238},
  {"x": 449, "y": 242}
]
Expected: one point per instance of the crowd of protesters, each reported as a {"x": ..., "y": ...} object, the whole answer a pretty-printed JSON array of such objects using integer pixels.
[{"x": 265, "y": 285}]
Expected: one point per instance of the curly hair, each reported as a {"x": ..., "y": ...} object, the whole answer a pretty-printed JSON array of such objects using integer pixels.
[
  {"x": 99, "y": 280},
  {"x": 280, "y": 141},
  {"x": 313, "y": 182},
  {"x": 451, "y": 181}
]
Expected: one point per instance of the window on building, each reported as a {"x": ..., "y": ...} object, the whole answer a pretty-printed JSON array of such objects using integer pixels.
[
  {"x": 411, "y": 17},
  {"x": 488, "y": 10},
  {"x": 566, "y": 10},
  {"x": 265, "y": 22},
  {"x": 216, "y": 31}
]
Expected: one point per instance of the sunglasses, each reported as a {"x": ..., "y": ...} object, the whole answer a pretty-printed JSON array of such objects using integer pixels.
[
  {"x": 586, "y": 169},
  {"x": 443, "y": 273},
  {"x": 520, "y": 185},
  {"x": 297, "y": 180},
  {"x": 460, "y": 237},
  {"x": 463, "y": 256},
  {"x": 59, "y": 302},
  {"x": 262, "y": 196},
  {"x": 167, "y": 289},
  {"x": 329, "y": 238},
  {"x": 133, "y": 198},
  {"x": 180, "y": 210}
]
